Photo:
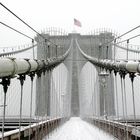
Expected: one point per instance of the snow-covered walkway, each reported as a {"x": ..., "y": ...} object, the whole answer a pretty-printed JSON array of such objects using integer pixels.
[{"x": 77, "y": 129}]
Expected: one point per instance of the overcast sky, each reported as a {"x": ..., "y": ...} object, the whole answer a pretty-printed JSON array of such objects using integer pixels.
[{"x": 119, "y": 15}]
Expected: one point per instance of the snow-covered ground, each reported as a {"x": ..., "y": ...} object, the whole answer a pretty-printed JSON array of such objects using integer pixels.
[{"x": 77, "y": 129}]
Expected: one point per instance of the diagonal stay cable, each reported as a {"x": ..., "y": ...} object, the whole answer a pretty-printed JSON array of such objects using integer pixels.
[
  {"x": 16, "y": 30},
  {"x": 25, "y": 23},
  {"x": 129, "y": 39},
  {"x": 122, "y": 35}
]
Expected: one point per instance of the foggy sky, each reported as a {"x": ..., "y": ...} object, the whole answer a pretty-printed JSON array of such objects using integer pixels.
[{"x": 119, "y": 15}]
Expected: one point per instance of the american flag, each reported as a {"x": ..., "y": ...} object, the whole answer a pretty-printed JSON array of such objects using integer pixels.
[{"x": 77, "y": 23}]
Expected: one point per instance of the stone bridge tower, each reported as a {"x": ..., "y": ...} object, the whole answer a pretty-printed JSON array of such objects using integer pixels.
[{"x": 97, "y": 50}]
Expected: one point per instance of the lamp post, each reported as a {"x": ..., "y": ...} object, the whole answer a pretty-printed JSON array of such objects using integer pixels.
[
  {"x": 49, "y": 50},
  {"x": 100, "y": 51}
]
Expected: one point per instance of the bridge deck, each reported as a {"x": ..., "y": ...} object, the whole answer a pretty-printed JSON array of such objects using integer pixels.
[{"x": 77, "y": 129}]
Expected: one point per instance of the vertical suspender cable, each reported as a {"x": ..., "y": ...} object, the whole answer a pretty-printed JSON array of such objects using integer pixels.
[
  {"x": 20, "y": 110},
  {"x": 117, "y": 105},
  {"x": 57, "y": 96},
  {"x": 91, "y": 104},
  {"x": 60, "y": 99},
  {"x": 3, "y": 121},
  {"x": 125, "y": 101},
  {"x": 52, "y": 97},
  {"x": 59, "y": 93},
  {"x": 21, "y": 78},
  {"x": 56, "y": 105},
  {"x": 95, "y": 100},
  {"x": 5, "y": 83},
  {"x": 48, "y": 83},
  {"x": 31, "y": 99},
  {"x": 123, "y": 105},
  {"x": 50, "y": 89},
  {"x": 108, "y": 106},
  {"x": 132, "y": 75},
  {"x": 46, "y": 105},
  {"x": 31, "y": 104},
  {"x": 52, "y": 101},
  {"x": 51, "y": 110},
  {"x": 37, "y": 108},
  {"x": 42, "y": 104},
  {"x": 122, "y": 98}
]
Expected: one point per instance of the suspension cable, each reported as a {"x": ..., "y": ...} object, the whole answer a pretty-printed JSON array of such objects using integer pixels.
[
  {"x": 25, "y": 23},
  {"x": 16, "y": 30}
]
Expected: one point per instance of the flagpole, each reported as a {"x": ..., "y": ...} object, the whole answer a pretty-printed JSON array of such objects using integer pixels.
[{"x": 74, "y": 28}]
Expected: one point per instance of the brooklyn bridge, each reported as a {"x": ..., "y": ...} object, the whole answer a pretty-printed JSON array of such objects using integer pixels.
[{"x": 70, "y": 86}]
